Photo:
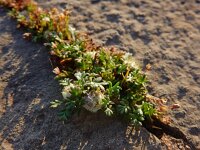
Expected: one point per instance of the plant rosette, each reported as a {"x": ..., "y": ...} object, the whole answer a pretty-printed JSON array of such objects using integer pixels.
[{"x": 92, "y": 77}]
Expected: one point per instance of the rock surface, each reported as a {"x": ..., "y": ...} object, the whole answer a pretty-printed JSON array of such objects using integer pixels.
[{"x": 165, "y": 34}]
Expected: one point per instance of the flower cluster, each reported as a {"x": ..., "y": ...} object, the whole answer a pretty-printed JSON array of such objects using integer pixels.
[
  {"x": 100, "y": 79},
  {"x": 92, "y": 77}
]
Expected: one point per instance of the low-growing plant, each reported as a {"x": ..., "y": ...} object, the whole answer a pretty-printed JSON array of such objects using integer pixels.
[{"x": 92, "y": 77}]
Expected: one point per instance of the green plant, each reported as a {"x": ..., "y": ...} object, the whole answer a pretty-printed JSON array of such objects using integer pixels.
[{"x": 92, "y": 77}]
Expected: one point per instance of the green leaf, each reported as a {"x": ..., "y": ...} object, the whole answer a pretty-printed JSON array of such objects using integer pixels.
[
  {"x": 113, "y": 90},
  {"x": 105, "y": 102},
  {"x": 124, "y": 107},
  {"x": 55, "y": 103},
  {"x": 148, "y": 109},
  {"x": 64, "y": 114},
  {"x": 121, "y": 69},
  {"x": 108, "y": 112}
]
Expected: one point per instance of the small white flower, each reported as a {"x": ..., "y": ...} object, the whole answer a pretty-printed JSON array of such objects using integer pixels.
[
  {"x": 66, "y": 91},
  {"x": 79, "y": 59},
  {"x": 91, "y": 54},
  {"x": 46, "y": 19},
  {"x": 76, "y": 47},
  {"x": 78, "y": 75},
  {"x": 72, "y": 31},
  {"x": 93, "y": 101},
  {"x": 66, "y": 95},
  {"x": 129, "y": 60},
  {"x": 129, "y": 78}
]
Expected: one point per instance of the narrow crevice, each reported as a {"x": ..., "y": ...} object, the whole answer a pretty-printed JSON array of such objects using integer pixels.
[{"x": 158, "y": 128}]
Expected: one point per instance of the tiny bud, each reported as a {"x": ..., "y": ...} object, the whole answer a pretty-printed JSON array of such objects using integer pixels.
[
  {"x": 53, "y": 45},
  {"x": 56, "y": 70},
  {"x": 148, "y": 67},
  {"x": 27, "y": 35},
  {"x": 52, "y": 53}
]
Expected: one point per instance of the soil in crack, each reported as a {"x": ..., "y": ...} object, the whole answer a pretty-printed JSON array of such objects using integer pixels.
[{"x": 158, "y": 128}]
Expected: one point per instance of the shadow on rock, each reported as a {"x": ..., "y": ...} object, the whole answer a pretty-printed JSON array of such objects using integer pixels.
[{"x": 29, "y": 123}]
